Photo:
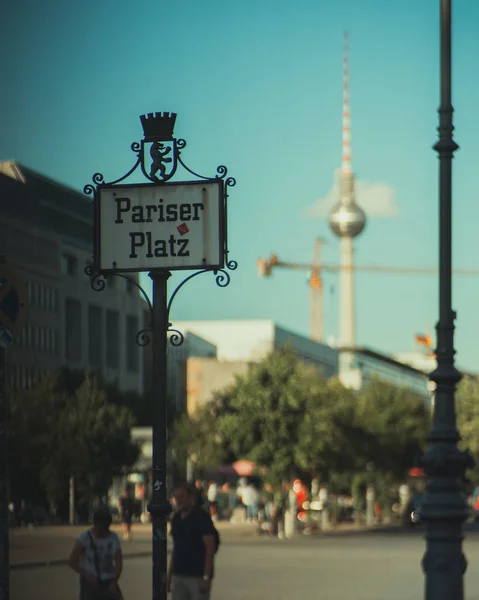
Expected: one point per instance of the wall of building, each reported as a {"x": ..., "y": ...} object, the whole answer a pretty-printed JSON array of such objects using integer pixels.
[
  {"x": 205, "y": 376},
  {"x": 321, "y": 356},
  {"x": 68, "y": 323},
  {"x": 100, "y": 328},
  {"x": 35, "y": 257},
  {"x": 367, "y": 366},
  {"x": 243, "y": 339},
  {"x": 192, "y": 347}
]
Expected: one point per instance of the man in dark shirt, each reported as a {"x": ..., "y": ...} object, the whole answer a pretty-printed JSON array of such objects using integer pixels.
[
  {"x": 127, "y": 509},
  {"x": 200, "y": 493},
  {"x": 191, "y": 567}
]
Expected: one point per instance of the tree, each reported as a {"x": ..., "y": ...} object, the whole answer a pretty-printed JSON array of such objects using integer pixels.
[
  {"x": 285, "y": 416},
  {"x": 33, "y": 444},
  {"x": 196, "y": 437},
  {"x": 398, "y": 422},
  {"x": 97, "y": 436},
  {"x": 58, "y": 431},
  {"x": 331, "y": 441},
  {"x": 467, "y": 410}
]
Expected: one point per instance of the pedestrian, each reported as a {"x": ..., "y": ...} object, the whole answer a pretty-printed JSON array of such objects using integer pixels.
[
  {"x": 191, "y": 568},
  {"x": 378, "y": 511},
  {"x": 199, "y": 492},
  {"x": 97, "y": 557},
  {"x": 282, "y": 503},
  {"x": 251, "y": 498},
  {"x": 268, "y": 500},
  {"x": 127, "y": 510},
  {"x": 212, "y": 496}
]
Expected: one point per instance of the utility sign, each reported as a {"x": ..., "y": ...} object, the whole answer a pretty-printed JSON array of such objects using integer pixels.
[{"x": 170, "y": 226}]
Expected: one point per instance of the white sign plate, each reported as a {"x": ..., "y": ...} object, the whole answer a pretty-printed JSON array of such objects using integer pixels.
[{"x": 169, "y": 226}]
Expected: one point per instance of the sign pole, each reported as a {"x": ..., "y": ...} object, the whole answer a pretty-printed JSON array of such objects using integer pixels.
[
  {"x": 159, "y": 227},
  {"x": 159, "y": 508},
  {"x": 4, "y": 529}
]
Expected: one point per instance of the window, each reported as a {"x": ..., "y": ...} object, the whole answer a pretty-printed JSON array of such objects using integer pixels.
[
  {"x": 30, "y": 291},
  {"x": 53, "y": 299},
  {"x": 112, "y": 339},
  {"x": 12, "y": 377},
  {"x": 36, "y": 294},
  {"x": 69, "y": 265},
  {"x": 95, "y": 337},
  {"x": 132, "y": 349},
  {"x": 110, "y": 282},
  {"x": 73, "y": 329},
  {"x": 54, "y": 342},
  {"x": 129, "y": 286}
]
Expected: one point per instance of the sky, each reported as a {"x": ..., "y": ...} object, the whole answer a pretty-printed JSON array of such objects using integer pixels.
[{"x": 257, "y": 87}]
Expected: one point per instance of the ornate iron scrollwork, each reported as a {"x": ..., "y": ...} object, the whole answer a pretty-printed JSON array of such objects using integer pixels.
[
  {"x": 158, "y": 157},
  {"x": 222, "y": 279},
  {"x": 143, "y": 337}
]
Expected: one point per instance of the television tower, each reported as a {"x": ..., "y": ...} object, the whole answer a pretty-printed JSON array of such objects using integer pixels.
[{"x": 346, "y": 220}]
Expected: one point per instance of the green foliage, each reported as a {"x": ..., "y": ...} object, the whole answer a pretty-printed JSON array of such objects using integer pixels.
[
  {"x": 197, "y": 438},
  {"x": 398, "y": 422},
  {"x": 65, "y": 426},
  {"x": 467, "y": 410},
  {"x": 140, "y": 405},
  {"x": 261, "y": 413},
  {"x": 286, "y": 417},
  {"x": 331, "y": 441}
]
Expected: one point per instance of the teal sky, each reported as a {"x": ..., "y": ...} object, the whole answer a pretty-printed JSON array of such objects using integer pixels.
[{"x": 257, "y": 87}]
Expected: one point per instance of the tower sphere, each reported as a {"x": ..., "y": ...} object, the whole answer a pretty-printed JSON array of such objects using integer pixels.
[{"x": 347, "y": 220}]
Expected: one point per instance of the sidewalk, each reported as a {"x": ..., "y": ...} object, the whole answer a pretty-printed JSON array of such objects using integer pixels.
[{"x": 50, "y": 546}]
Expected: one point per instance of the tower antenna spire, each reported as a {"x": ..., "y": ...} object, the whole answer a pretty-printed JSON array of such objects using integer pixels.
[{"x": 346, "y": 164}]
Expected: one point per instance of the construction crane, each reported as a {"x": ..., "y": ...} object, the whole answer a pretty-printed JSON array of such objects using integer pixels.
[
  {"x": 316, "y": 295},
  {"x": 265, "y": 268}
]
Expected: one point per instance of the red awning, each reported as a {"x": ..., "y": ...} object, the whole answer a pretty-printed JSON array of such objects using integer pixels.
[{"x": 417, "y": 472}]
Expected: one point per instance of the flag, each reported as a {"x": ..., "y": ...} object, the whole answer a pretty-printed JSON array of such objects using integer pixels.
[{"x": 423, "y": 340}]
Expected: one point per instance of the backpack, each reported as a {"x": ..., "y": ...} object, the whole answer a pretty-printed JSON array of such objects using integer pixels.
[{"x": 216, "y": 533}]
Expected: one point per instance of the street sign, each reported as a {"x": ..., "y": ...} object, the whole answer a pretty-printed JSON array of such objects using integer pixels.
[
  {"x": 13, "y": 305},
  {"x": 170, "y": 226}
]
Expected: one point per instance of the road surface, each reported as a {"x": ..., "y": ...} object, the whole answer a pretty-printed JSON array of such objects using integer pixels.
[{"x": 368, "y": 566}]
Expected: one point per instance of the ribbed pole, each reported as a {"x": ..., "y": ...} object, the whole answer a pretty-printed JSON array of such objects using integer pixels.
[
  {"x": 159, "y": 507},
  {"x": 445, "y": 506}
]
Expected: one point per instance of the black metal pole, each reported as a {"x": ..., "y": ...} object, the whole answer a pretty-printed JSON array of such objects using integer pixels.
[
  {"x": 4, "y": 526},
  {"x": 159, "y": 507},
  {"x": 445, "y": 506}
]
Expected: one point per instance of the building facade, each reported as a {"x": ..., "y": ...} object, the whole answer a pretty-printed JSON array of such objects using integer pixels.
[
  {"x": 238, "y": 344},
  {"x": 207, "y": 376},
  {"x": 242, "y": 342},
  {"x": 251, "y": 340},
  {"x": 46, "y": 235},
  {"x": 365, "y": 366}
]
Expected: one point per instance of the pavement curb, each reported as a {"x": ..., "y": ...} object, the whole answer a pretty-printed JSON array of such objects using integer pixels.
[
  {"x": 36, "y": 564},
  {"x": 62, "y": 562}
]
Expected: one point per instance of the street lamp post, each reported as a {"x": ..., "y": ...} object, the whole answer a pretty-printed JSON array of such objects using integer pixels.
[{"x": 445, "y": 506}]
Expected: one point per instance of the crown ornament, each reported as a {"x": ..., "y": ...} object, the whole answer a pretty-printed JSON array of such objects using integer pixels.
[{"x": 158, "y": 126}]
